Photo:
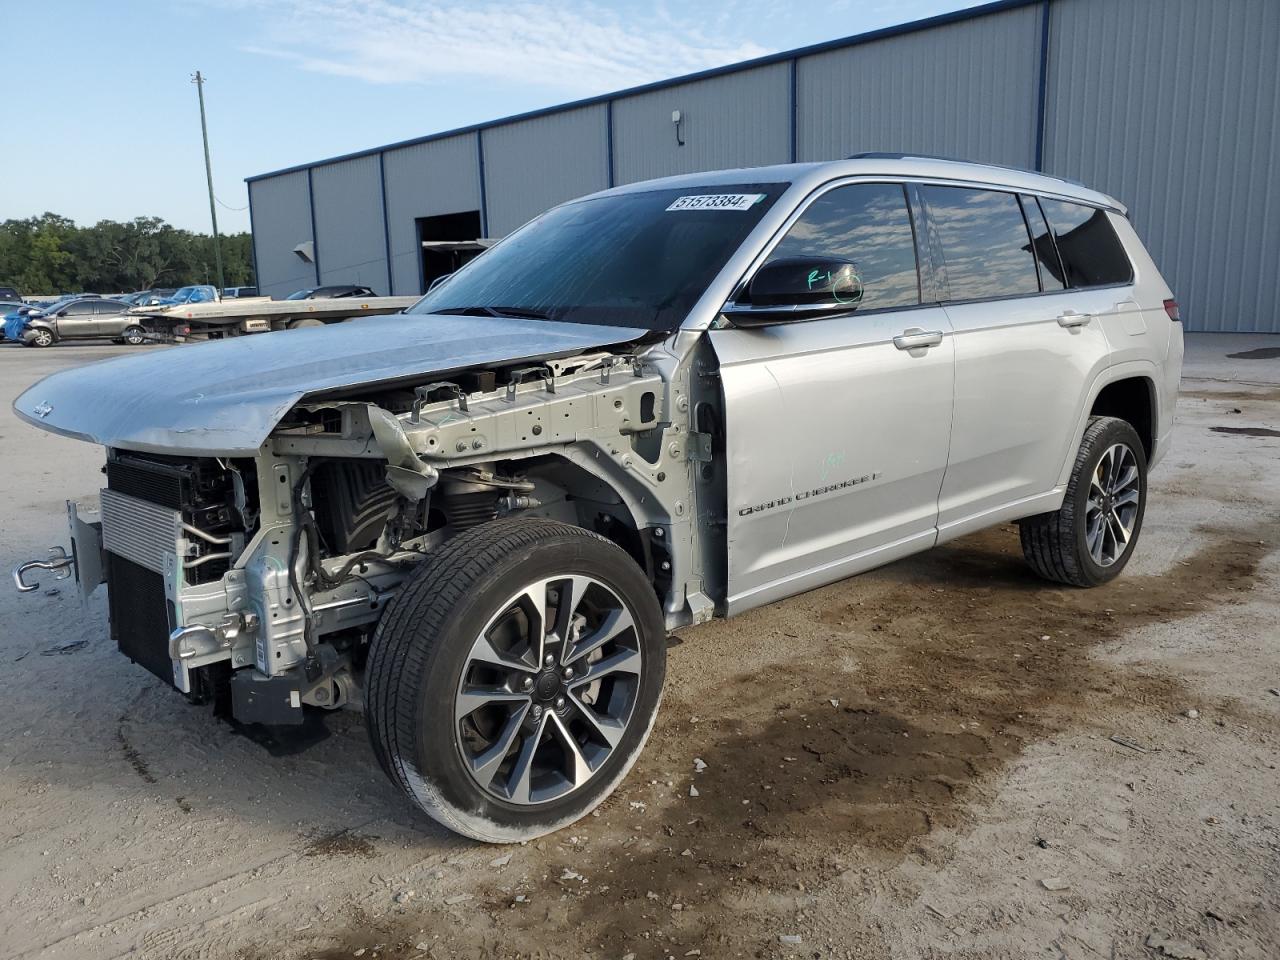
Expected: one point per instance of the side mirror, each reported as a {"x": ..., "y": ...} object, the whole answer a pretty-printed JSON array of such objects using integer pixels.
[{"x": 797, "y": 288}]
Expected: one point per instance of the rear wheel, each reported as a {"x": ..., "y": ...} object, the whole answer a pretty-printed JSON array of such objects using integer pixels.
[
  {"x": 1091, "y": 537},
  {"x": 135, "y": 336},
  {"x": 514, "y": 681}
]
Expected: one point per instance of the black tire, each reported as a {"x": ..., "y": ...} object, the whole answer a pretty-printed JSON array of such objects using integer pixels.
[
  {"x": 135, "y": 336},
  {"x": 304, "y": 323},
  {"x": 424, "y": 643},
  {"x": 1056, "y": 544},
  {"x": 43, "y": 338}
]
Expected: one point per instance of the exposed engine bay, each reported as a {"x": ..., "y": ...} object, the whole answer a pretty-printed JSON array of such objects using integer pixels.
[{"x": 256, "y": 582}]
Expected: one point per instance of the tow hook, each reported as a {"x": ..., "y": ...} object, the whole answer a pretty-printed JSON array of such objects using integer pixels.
[
  {"x": 196, "y": 640},
  {"x": 60, "y": 562}
]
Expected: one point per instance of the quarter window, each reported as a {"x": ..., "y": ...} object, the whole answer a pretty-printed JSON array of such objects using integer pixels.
[
  {"x": 867, "y": 223},
  {"x": 984, "y": 240},
  {"x": 1092, "y": 254}
]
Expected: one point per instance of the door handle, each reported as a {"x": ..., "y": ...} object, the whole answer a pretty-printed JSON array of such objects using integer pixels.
[
  {"x": 915, "y": 338},
  {"x": 1069, "y": 318}
]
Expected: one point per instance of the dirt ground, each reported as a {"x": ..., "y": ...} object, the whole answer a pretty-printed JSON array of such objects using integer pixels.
[{"x": 943, "y": 758}]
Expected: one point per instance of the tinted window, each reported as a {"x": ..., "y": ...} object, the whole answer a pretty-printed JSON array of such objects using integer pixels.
[
  {"x": 867, "y": 223},
  {"x": 82, "y": 308},
  {"x": 1092, "y": 254},
  {"x": 1042, "y": 245},
  {"x": 628, "y": 259},
  {"x": 984, "y": 241},
  {"x": 110, "y": 306}
]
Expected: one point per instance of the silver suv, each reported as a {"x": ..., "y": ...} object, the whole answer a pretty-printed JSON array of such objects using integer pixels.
[{"x": 477, "y": 521}]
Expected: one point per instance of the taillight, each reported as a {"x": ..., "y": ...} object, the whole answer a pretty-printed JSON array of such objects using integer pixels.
[{"x": 1171, "y": 308}]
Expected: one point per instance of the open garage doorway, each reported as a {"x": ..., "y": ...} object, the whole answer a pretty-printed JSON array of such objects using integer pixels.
[{"x": 446, "y": 243}]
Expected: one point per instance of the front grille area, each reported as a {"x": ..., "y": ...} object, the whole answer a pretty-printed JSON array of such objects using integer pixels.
[
  {"x": 148, "y": 498},
  {"x": 140, "y": 618}
]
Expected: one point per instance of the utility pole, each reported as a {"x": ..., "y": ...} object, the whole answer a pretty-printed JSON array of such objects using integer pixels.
[{"x": 198, "y": 80}]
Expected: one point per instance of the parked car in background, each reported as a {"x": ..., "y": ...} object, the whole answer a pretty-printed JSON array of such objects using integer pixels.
[
  {"x": 10, "y": 294},
  {"x": 236, "y": 293},
  {"x": 330, "y": 292},
  {"x": 15, "y": 315},
  {"x": 194, "y": 293},
  {"x": 88, "y": 318}
]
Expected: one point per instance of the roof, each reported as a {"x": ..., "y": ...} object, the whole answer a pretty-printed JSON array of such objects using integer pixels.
[
  {"x": 970, "y": 13},
  {"x": 812, "y": 175}
]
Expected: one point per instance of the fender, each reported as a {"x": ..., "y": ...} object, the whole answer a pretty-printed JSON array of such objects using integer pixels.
[{"x": 1128, "y": 370}]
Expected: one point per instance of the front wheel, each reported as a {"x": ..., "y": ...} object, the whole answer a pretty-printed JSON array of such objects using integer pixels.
[
  {"x": 135, "y": 336},
  {"x": 514, "y": 681},
  {"x": 1091, "y": 537},
  {"x": 43, "y": 338}
]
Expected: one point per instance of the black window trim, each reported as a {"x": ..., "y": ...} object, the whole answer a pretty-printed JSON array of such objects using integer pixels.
[
  {"x": 996, "y": 188},
  {"x": 927, "y": 244}
]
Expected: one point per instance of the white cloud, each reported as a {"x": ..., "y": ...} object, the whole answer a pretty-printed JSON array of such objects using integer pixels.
[{"x": 575, "y": 49}]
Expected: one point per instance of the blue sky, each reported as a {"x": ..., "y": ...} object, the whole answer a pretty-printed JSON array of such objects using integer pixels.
[{"x": 98, "y": 92}]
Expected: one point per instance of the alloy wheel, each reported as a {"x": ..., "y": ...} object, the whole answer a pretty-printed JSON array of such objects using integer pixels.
[
  {"x": 1112, "y": 508},
  {"x": 548, "y": 690}
]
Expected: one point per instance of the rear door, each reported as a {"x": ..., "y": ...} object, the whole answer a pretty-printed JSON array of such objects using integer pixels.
[
  {"x": 1025, "y": 350},
  {"x": 836, "y": 429},
  {"x": 110, "y": 320}
]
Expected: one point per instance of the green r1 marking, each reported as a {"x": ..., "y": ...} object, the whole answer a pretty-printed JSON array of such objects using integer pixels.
[{"x": 813, "y": 276}]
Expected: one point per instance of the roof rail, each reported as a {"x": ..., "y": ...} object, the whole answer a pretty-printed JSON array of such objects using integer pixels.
[{"x": 890, "y": 155}]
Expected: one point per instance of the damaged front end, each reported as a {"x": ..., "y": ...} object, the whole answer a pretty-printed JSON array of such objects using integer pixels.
[{"x": 256, "y": 581}]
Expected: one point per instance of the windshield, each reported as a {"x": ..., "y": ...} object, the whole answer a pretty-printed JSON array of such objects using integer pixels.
[
  {"x": 300, "y": 294},
  {"x": 632, "y": 259}
]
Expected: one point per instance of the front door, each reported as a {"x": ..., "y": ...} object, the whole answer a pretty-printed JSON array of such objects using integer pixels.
[
  {"x": 837, "y": 429},
  {"x": 75, "y": 319}
]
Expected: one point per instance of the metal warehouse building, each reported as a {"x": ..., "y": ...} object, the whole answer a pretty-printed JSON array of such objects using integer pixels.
[{"x": 1169, "y": 105}]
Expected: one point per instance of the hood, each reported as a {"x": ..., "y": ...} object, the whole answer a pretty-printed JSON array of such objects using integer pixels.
[{"x": 224, "y": 397}]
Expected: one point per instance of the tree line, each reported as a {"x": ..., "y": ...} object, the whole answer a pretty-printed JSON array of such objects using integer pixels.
[{"x": 50, "y": 254}]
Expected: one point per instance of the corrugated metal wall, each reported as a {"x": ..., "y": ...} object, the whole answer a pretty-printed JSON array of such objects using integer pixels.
[
  {"x": 281, "y": 220},
  {"x": 1172, "y": 106},
  {"x": 532, "y": 165},
  {"x": 424, "y": 180},
  {"x": 965, "y": 89},
  {"x": 351, "y": 245},
  {"x": 736, "y": 120}
]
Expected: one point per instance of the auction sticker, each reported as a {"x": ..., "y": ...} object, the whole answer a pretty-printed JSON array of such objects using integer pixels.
[{"x": 717, "y": 201}]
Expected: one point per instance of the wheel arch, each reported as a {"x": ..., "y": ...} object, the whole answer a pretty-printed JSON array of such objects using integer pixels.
[{"x": 1114, "y": 387}]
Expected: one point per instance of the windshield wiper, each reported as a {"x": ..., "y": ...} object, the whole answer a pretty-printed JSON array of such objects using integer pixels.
[{"x": 478, "y": 311}]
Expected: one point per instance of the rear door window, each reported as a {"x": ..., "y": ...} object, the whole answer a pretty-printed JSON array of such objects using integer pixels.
[
  {"x": 1092, "y": 254},
  {"x": 869, "y": 224},
  {"x": 985, "y": 246}
]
